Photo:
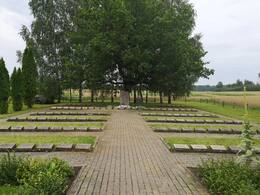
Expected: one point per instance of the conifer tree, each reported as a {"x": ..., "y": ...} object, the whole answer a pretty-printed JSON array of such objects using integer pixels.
[
  {"x": 17, "y": 89},
  {"x": 29, "y": 71},
  {"x": 4, "y": 87}
]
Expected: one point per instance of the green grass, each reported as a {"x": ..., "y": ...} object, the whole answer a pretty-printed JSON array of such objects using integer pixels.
[
  {"x": 56, "y": 124},
  {"x": 206, "y": 141},
  {"x": 41, "y": 139},
  {"x": 24, "y": 110},
  {"x": 10, "y": 190},
  {"x": 227, "y": 110}
]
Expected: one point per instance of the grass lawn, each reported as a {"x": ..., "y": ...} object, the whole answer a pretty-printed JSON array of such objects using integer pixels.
[
  {"x": 24, "y": 110},
  {"x": 227, "y": 110},
  {"x": 40, "y": 139},
  {"x": 206, "y": 141},
  {"x": 56, "y": 124},
  {"x": 10, "y": 190}
]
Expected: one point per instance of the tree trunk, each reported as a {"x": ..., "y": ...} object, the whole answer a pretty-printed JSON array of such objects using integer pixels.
[
  {"x": 80, "y": 93},
  {"x": 124, "y": 98},
  {"x": 92, "y": 95},
  {"x": 112, "y": 96},
  {"x": 169, "y": 98},
  {"x": 141, "y": 95},
  {"x": 70, "y": 96},
  {"x": 161, "y": 98},
  {"x": 146, "y": 97},
  {"x": 134, "y": 96}
]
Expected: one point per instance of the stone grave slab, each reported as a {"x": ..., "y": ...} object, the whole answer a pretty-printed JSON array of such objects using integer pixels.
[
  {"x": 200, "y": 121},
  {"x": 44, "y": 147},
  {"x": 257, "y": 150},
  {"x": 84, "y": 129},
  {"x": 200, "y": 130},
  {"x": 16, "y": 128},
  {"x": 5, "y": 128},
  {"x": 32, "y": 128},
  {"x": 199, "y": 148},
  {"x": 83, "y": 147},
  {"x": 7, "y": 147},
  {"x": 64, "y": 147},
  {"x": 235, "y": 149},
  {"x": 212, "y": 130},
  {"x": 68, "y": 129},
  {"x": 43, "y": 128},
  {"x": 181, "y": 148},
  {"x": 187, "y": 130},
  {"x": 218, "y": 149},
  {"x": 25, "y": 148}
]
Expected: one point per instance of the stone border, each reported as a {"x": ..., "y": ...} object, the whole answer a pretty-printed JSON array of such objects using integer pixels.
[
  {"x": 50, "y": 129},
  {"x": 12, "y": 147},
  {"x": 45, "y": 119},
  {"x": 168, "y": 109},
  {"x": 78, "y": 108},
  {"x": 180, "y": 115},
  {"x": 68, "y": 114},
  {"x": 193, "y": 121},
  {"x": 200, "y": 130}
]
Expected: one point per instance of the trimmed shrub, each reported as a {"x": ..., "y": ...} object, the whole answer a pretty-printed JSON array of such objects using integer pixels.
[
  {"x": 228, "y": 177},
  {"x": 4, "y": 87},
  {"x": 17, "y": 89},
  {"x": 29, "y": 71}
]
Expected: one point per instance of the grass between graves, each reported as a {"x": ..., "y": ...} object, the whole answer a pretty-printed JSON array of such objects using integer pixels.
[
  {"x": 52, "y": 124},
  {"x": 206, "y": 141},
  {"x": 24, "y": 110},
  {"x": 41, "y": 139},
  {"x": 227, "y": 110}
]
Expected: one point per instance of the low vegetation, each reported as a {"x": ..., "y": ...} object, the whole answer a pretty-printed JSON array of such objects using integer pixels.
[
  {"x": 228, "y": 177},
  {"x": 20, "y": 175}
]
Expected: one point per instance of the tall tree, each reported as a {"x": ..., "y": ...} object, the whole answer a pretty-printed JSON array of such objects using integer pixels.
[
  {"x": 4, "y": 87},
  {"x": 29, "y": 71},
  {"x": 17, "y": 89}
]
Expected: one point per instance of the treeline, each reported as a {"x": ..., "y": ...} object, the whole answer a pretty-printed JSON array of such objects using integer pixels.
[
  {"x": 132, "y": 45},
  {"x": 237, "y": 86},
  {"x": 21, "y": 87}
]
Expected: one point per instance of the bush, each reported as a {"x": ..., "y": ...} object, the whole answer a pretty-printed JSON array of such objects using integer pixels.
[
  {"x": 9, "y": 164},
  {"x": 228, "y": 177},
  {"x": 46, "y": 177}
]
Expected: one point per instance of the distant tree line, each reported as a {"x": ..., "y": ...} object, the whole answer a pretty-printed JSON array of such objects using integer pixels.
[
  {"x": 237, "y": 86},
  {"x": 132, "y": 45},
  {"x": 21, "y": 87}
]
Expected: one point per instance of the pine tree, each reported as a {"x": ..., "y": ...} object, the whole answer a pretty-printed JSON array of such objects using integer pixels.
[
  {"x": 29, "y": 71},
  {"x": 4, "y": 87},
  {"x": 17, "y": 89}
]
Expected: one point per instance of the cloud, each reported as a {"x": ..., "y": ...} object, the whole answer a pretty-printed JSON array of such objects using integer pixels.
[
  {"x": 10, "y": 40},
  {"x": 231, "y": 35}
]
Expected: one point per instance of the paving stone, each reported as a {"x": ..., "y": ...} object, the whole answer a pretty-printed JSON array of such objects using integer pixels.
[
  {"x": 16, "y": 128},
  {"x": 25, "y": 148},
  {"x": 218, "y": 148},
  {"x": 44, "y": 147},
  {"x": 235, "y": 149},
  {"x": 199, "y": 148},
  {"x": 7, "y": 147},
  {"x": 181, "y": 148},
  {"x": 64, "y": 147},
  {"x": 83, "y": 147}
]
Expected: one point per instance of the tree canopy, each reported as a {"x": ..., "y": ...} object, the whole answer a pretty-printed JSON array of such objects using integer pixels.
[
  {"x": 4, "y": 87},
  {"x": 123, "y": 44}
]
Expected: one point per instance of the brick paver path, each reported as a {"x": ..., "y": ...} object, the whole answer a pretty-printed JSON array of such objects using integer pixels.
[{"x": 131, "y": 159}]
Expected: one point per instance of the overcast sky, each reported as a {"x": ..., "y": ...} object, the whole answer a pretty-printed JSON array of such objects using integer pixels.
[{"x": 230, "y": 28}]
